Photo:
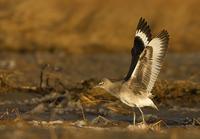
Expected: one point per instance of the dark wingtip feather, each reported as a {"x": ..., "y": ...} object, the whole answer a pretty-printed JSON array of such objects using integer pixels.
[
  {"x": 144, "y": 27},
  {"x": 164, "y": 36}
]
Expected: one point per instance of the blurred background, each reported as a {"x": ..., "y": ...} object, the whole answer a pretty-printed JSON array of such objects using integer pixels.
[
  {"x": 90, "y": 26},
  {"x": 52, "y": 53}
]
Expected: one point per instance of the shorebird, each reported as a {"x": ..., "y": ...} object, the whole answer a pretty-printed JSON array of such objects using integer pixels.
[{"x": 147, "y": 57}]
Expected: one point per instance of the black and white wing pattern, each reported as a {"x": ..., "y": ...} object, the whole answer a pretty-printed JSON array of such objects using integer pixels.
[
  {"x": 150, "y": 61},
  {"x": 142, "y": 38}
]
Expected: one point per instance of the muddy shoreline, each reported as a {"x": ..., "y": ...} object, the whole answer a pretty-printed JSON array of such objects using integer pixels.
[{"x": 58, "y": 86}]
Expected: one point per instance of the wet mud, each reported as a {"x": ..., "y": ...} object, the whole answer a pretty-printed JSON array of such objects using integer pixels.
[{"x": 55, "y": 86}]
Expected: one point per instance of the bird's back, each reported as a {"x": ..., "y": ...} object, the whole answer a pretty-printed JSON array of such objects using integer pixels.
[{"x": 135, "y": 97}]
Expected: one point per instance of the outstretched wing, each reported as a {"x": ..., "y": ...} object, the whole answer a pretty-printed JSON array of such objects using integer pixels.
[
  {"x": 150, "y": 61},
  {"x": 142, "y": 38}
]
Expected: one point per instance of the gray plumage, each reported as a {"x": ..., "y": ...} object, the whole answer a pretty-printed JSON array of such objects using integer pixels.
[{"x": 147, "y": 57}]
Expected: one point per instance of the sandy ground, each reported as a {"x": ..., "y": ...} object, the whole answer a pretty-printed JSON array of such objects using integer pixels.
[{"x": 64, "y": 130}]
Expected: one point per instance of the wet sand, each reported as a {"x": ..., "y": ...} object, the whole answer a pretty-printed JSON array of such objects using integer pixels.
[{"x": 23, "y": 130}]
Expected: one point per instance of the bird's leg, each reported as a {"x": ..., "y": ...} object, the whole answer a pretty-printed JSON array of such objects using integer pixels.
[
  {"x": 134, "y": 116},
  {"x": 83, "y": 113},
  {"x": 142, "y": 116}
]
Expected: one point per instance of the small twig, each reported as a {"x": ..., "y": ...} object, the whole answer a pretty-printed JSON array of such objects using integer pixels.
[
  {"x": 61, "y": 84},
  {"x": 4, "y": 114},
  {"x": 47, "y": 82},
  {"x": 42, "y": 75},
  {"x": 96, "y": 120},
  {"x": 160, "y": 121},
  {"x": 195, "y": 120}
]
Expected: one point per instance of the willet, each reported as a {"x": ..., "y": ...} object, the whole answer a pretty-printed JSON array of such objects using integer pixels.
[{"x": 147, "y": 57}]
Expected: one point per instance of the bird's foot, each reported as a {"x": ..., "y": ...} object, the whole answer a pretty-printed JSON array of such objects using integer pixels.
[
  {"x": 142, "y": 123},
  {"x": 138, "y": 126}
]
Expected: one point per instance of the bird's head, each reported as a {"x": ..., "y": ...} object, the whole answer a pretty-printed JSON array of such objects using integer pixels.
[{"x": 104, "y": 84}]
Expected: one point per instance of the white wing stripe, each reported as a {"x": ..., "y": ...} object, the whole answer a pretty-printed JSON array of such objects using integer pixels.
[
  {"x": 150, "y": 61},
  {"x": 143, "y": 36},
  {"x": 158, "y": 51}
]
